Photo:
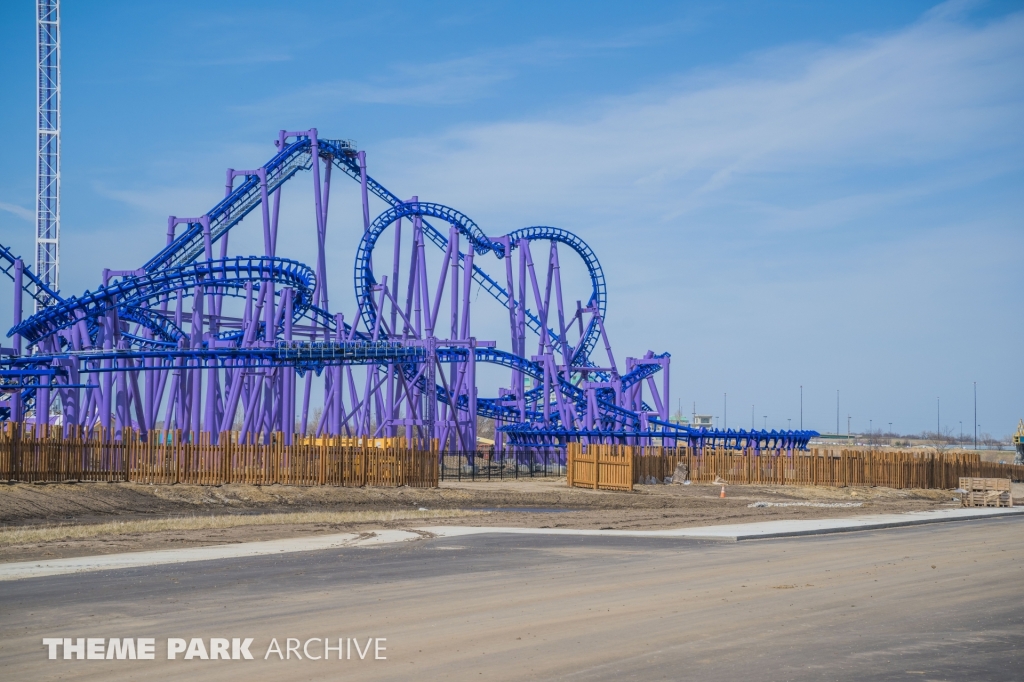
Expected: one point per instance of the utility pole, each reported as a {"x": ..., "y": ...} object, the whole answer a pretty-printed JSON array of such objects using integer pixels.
[
  {"x": 975, "y": 415},
  {"x": 751, "y": 417},
  {"x": 725, "y": 412},
  {"x": 48, "y": 147},
  {"x": 801, "y": 407},
  {"x": 938, "y": 431},
  {"x": 837, "y": 411}
]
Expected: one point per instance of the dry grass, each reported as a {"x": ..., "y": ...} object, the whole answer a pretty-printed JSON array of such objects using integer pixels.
[{"x": 21, "y": 536}]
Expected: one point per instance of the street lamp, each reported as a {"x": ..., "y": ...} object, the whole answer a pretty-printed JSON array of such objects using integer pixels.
[{"x": 766, "y": 421}]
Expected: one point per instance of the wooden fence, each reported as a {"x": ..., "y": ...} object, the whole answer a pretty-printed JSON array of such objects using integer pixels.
[
  {"x": 848, "y": 467},
  {"x": 891, "y": 469},
  {"x": 164, "y": 458},
  {"x": 601, "y": 467}
]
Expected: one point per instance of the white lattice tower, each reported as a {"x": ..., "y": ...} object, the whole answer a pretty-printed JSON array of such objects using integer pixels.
[{"x": 47, "y": 263}]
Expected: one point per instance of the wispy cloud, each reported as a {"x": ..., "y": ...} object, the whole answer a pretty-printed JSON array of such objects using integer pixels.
[
  {"x": 17, "y": 210},
  {"x": 446, "y": 82},
  {"x": 432, "y": 83},
  {"x": 930, "y": 98}
]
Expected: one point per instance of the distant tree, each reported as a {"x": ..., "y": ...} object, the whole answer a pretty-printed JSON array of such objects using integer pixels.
[
  {"x": 485, "y": 427},
  {"x": 314, "y": 422},
  {"x": 943, "y": 440}
]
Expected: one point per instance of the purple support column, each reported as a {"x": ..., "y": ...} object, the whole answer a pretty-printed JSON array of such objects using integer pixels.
[
  {"x": 394, "y": 277},
  {"x": 288, "y": 378},
  {"x": 108, "y": 344},
  {"x": 321, "y": 224},
  {"x": 453, "y": 239},
  {"x": 19, "y": 283},
  {"x": 467, "y": 286},
  {"x": 19, "y": 276},
  {"x": 562, "y": 338},
  {"x": 73, "y": 405},
  {"x": 471, "y": 384},
  {"x": 42, "y": 399},
  {"x": 195, "y": 423},
  {"x": 520, "y": 387},
  {"x": 122, "y": 417}
]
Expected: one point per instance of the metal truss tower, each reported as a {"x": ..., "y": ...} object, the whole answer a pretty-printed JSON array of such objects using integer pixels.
[{"x": 47, "y": 265}]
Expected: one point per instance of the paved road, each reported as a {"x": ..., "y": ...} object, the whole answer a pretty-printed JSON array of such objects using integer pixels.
[{"x": 925, "y": 603}]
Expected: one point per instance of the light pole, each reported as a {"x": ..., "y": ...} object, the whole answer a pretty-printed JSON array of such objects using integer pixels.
[
  {"x": 725, "y": 411},
  {"x": 837, "y": 411},
  {"x": 890, "y": 433},
  {"x": 789, "y": 423},
  {"x": 975, "y": 415},
  {"x": 766, "y": 421},
  {"x": 938, "y": 431},
  {"x": 751, "y": 417},
  {"x": 801, "y": 407},
  {"x": 847, "y": 427},
  {"x": 961, "y": 433}
]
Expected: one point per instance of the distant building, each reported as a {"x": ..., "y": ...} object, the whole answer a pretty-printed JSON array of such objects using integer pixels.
[{"x": 703, "y": 421}]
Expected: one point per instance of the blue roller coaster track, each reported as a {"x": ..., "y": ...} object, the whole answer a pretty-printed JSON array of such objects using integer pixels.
[{"x": 204, "y": 341}]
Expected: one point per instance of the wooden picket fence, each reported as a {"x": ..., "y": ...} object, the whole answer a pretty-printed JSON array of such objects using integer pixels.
[
  {"x": 167, "y": 458},
  {"x": 847, "y": 467}
]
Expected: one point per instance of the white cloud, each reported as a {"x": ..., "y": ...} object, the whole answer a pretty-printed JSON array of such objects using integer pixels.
[
  {"x": 935, "y": 92},
  {"x": 17, "y": 210}
]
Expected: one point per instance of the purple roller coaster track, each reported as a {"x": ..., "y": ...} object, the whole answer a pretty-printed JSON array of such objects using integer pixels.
[{"x": 207, "y": 342}]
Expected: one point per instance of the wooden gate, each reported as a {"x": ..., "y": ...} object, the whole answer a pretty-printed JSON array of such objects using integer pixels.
[{"x": 600, "y": 467}]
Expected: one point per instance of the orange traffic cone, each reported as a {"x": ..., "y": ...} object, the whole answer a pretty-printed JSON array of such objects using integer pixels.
[{"x": 722, "y": 494}]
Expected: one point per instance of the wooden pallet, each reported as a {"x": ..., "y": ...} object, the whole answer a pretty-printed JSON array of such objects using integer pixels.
[{"x": 985, "y": 492}]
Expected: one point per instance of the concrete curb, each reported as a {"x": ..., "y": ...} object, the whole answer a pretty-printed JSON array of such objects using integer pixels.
[{"x": 755, "y": 531}]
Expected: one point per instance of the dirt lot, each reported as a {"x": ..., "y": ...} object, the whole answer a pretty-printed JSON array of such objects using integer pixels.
[{"x": 534, "y": 503}]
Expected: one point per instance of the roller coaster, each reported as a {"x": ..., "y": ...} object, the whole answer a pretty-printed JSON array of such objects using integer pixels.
[{"x": 207, "y": 343}]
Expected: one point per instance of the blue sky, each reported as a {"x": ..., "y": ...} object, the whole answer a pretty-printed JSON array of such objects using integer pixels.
[{"x": 800, "y": 193}]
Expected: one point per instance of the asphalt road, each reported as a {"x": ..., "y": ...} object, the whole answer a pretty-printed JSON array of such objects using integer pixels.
[{"x": 941, "y": 602}]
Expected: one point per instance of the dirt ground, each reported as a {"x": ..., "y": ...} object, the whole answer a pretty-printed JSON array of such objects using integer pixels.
[{"x": 542, "y": 502}]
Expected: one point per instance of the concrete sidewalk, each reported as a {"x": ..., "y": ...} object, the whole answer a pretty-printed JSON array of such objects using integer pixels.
[
  {"x": 761, "y": 530},
  {"x": 733, "y": 532}
]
